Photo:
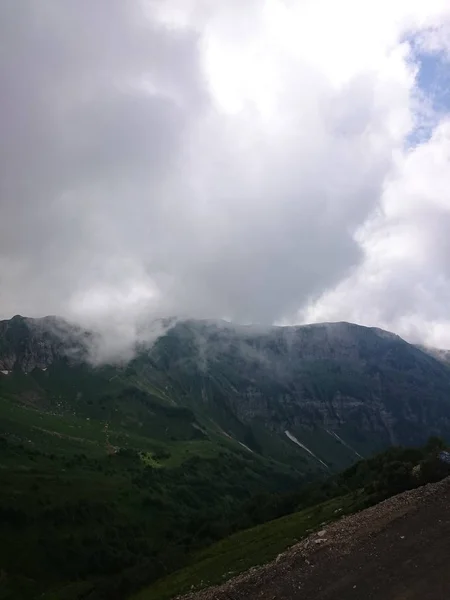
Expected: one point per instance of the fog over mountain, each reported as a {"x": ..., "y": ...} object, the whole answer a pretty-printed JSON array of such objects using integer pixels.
[{"x": 264, "y": 162}]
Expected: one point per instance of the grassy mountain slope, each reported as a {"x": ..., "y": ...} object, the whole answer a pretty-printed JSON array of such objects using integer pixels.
[
  {"x": 339, "y": 389},
  {"x": 105, "y": 487},
  {"x": 113, "y": 476},
  {"x": 325, "y": 393},
  {"x": 365, "y": 484},
  {"x": 73, "y": 510}
]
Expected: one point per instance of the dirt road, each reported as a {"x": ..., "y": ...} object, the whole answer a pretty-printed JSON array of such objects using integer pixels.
[{"x": 397, "y": 550}]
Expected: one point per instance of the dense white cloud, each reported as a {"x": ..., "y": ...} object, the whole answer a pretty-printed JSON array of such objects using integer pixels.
[
  {"x": 248, "y": 160},
  {"x": 403, "y": 283}
]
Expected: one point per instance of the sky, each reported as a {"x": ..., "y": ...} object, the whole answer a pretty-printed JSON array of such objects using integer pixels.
[{"x": 266, "y": 161}]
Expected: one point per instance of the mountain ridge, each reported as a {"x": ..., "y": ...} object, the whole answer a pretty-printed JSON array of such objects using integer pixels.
[{"x": 339, "y": 389}]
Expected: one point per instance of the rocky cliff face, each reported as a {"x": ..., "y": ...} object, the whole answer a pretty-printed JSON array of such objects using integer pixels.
[
  {"x": 338, "y": 376},
  {"x": 325, "y": 384},
  {"x": 26, "y": 344}
]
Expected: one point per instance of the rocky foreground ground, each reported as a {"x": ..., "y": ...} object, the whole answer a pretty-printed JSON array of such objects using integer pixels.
[{"x": 397, "y": 550}]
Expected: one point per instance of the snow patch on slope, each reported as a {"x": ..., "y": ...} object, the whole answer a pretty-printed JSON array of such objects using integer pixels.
[
  {"x": 295, "y": 440},
  {"x": 246, "y": 447},
  {"x": 235, "y": 440},
  {"x": 339, "y": 439}
]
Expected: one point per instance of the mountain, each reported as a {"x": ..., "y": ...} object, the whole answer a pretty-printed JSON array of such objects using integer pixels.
[
  {"x": 28, "y": 344},
  {"x": 325, "y": 393},
  {"x": 113, "y": 475},
  {"x": 335, "y": 386}
]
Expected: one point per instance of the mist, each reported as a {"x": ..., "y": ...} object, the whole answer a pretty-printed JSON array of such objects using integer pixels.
[{"x": 161, "y": 161}]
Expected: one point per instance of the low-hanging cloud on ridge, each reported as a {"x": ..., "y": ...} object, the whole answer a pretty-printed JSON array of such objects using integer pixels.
[{"x": 241, "y": 160}]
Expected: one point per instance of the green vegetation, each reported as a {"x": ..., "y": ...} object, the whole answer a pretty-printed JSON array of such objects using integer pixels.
[
  {"x": 96, "y": 508},
  {"x": 106, "y": 487},
  {"x": 122, "y": 480},
  {"x": 364, "y": 484},
  {"x": 245, "y": 549}
]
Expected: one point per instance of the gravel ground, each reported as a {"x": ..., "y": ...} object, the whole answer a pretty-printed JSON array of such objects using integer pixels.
[{"x": 396, "y": 550}]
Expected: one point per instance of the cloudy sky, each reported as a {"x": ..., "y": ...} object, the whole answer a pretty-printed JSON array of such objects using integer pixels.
[{"x": 263, "y": 161}]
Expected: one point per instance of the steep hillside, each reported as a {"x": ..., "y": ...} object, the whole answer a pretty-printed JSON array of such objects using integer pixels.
[
  {"x": 323, "y": 394},
  {"x": 27, "y": 344},
  {"x": 395, "y": 550},
  {"x": 106, "y": 483},
  {"x": 94, "y": 508},
  {"x": 112, "y": 476},
  {"x": 357, "y": 382},
  {"x": 314, "y": 508},
  {"x": 339, "y": 389}
]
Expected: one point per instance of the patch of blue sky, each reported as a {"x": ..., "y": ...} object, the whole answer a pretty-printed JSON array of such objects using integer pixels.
[{"x": 432, "y": 90}]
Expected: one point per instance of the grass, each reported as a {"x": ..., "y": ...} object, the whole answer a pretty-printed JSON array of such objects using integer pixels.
[
  {"x": 75, "y": 517},
  {"x": 246, "y": 549},
  {"x": 82, "y": 520}
]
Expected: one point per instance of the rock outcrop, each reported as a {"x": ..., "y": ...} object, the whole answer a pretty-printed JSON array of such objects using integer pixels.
[
  {"x": 27, "y": 344},
  {"x": 340, "y": 389}
]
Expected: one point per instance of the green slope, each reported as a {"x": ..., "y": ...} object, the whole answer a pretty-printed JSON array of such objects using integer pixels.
[
  {"x": 114, "y": 477},
  {"x": 363, "y": 485},
  {"x": 246, "y": 549},
  {"x": 105, "y": 487}
]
